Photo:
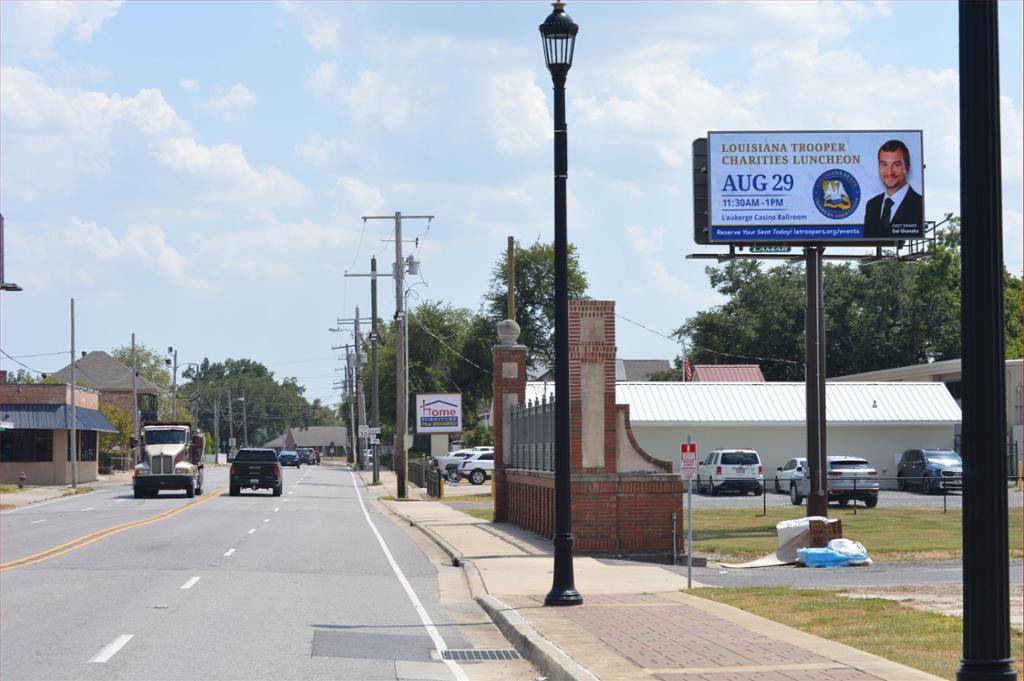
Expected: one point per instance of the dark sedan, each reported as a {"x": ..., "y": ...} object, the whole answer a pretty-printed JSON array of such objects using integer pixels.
[{"x": 289, "y": 458}]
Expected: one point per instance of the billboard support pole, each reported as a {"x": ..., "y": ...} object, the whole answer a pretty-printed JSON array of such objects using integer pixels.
[{"x": 814, "y": 380}]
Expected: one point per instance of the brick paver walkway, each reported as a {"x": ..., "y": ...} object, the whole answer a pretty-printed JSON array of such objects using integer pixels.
[{"x": 678, "y": 642}]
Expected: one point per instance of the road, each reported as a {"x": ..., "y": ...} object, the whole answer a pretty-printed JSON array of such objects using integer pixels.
[{"x": 316, "y": 584}]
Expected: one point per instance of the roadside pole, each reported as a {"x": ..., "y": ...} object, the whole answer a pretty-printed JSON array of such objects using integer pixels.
[
  {"x": 74, "y": 401},
  {"x": 135, "y": 401},
  {"x": 687, "y": 469},
  {"x": 373, "y": 364}
]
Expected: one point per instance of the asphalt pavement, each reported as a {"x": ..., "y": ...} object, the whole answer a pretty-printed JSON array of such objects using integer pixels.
[{"x": 316, "y": 584}]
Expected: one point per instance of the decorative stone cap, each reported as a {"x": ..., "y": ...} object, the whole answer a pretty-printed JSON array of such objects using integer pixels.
[{"x": 508, "y": 332}]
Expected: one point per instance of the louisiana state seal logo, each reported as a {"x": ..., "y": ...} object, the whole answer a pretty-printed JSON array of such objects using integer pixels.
[{"x": 836, "y": 194}]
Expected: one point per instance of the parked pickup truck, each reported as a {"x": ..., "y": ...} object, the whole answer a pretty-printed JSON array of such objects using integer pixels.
[{"x": 255, "y": 468}]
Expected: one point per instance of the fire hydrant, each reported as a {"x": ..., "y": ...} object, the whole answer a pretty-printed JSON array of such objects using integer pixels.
[{"x": 21, "y": 480}]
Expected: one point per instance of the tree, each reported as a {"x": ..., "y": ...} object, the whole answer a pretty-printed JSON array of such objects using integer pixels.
[
  {"x": 154, "y": 368},
  {"x": 535, "y": 296},
  {"x": 878, "y": 315}
]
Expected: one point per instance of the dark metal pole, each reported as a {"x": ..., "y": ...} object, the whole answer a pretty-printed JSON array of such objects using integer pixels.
[
  {"x": 563, "y": 589},
  {"x": 814, "y": 381},
  {"x": 373, "y": 363},
  {"x": 986, "y": 653}
]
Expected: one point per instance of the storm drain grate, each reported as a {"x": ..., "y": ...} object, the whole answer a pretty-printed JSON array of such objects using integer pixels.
[{"x": 471, "y": 655}]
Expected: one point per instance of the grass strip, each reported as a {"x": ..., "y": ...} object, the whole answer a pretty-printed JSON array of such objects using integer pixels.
[
  {"x": 887, "y": 533},
  {"x": 76, "y": 490},
  {"x": 927, "y": 641}
]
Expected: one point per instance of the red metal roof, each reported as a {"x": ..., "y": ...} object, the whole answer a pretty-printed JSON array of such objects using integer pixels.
[{"x": 728, "y": 373}]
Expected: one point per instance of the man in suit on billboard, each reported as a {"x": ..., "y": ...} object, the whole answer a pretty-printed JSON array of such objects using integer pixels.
[{"x": 898, "y": 212}]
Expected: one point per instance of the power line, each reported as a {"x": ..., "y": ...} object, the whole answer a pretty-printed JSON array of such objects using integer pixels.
[
  {"x": 35, "y": 371},
  {"x": 453, "y": 350}
]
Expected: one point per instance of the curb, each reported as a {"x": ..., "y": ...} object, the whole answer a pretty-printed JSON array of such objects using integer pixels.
[{"x": 554, "y": 663}]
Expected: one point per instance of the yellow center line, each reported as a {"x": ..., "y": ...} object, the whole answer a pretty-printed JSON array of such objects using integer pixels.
[{"x": 87, "y": 539}]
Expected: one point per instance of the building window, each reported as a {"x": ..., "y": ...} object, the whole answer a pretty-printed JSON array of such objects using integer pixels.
[
  {"x": 86, "y": 449},
  {"x": 26, "y": 445}
]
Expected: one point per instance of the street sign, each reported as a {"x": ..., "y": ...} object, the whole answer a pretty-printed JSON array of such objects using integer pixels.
[
  {"x": 366, "y": 431},
  {"x": 688, "y": 460}
]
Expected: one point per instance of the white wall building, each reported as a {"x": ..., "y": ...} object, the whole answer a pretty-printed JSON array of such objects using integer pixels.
[{"x": 876, "y": 421}]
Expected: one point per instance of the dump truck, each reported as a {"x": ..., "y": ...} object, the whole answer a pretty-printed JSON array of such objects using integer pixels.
[{"x": 170, "y": 457}]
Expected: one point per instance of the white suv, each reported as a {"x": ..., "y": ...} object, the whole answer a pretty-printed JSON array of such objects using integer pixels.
[
  {"x": 735, "y": 469},
  {"x": 478, "y": 467}
]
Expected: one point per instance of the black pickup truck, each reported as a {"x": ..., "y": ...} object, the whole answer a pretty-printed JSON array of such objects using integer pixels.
[{"x": 255, "y": 468}]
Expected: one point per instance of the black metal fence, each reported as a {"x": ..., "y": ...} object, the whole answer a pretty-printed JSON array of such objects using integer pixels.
[
  {"x": 422, "y": 474},
  {"x": 533, "y": 436}
]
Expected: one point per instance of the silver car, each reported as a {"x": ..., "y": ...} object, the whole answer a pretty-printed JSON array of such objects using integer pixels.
[
  {"x": 849, "y": 478},
  {"x": 785, "y": 474}
]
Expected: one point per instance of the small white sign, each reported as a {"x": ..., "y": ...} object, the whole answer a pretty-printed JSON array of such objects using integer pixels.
[{"x": 364, "y": 430}]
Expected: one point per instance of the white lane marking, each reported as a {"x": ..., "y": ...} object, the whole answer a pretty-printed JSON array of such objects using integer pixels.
[
  {"x": 289, "y": 494},
  {"x": 111, "y": 648},
  {"x": 88, "y": 509},
  {"x": 119, "y": 501},
  {"x": 286, "y": 500},
  {"x": 190, "y": 583},
  {"x": 428, "y": 624},
  {"x": 277, "y": 509},
  {"x": 266, "y": 520},
  {"x": 37, "y": 521},
  {"x": 229, "y": 552},
  {"x": 251, "y": 531}
]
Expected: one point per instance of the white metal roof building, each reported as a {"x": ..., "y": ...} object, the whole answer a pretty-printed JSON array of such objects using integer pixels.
[{"x": 874, "y": 420}]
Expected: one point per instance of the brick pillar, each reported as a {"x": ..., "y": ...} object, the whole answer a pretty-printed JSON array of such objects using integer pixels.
[
  {"x": 592, "y": 385},
  {"x": 509, "y": 382}
]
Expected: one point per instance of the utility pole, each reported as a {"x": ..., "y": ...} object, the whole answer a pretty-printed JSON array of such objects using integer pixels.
[
  {"x": 373, "y": 362},
  {"x": 74, "y": 404},
  {"x": 216, "y": 425},
  {"x": 359, "y": 407},
  {"x": 349, "y": 388},
  {"x": 511, "y": 278},
  {"x": 401, "y": 403},
  {"x": 135, "y": 400},
  {"x": 174, "y": 387},
  {"x": 245, "y": 422},
  {"x": 231, "y": 422},
  {"x": 374, "y": 339}
]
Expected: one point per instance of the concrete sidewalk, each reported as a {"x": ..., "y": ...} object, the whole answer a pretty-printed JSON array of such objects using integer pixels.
[{"x": 636, "y": 622}]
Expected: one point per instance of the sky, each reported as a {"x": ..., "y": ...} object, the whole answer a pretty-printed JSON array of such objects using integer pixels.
[{"x": 195, "y": 173}]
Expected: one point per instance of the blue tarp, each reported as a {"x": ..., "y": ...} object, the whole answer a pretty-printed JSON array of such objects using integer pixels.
[{"x": 53, "y": 417}]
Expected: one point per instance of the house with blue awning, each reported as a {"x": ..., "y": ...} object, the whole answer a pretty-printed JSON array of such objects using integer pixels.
[{"x": 35, "y": 433}]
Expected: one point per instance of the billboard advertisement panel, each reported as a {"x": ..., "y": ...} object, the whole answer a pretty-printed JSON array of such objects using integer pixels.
[
  {"x": 812, "y": 187},
  {"x": 439, "y": 413}
]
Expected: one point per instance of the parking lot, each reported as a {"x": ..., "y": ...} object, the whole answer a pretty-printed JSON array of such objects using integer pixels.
[{"x": 886, "y": 499}]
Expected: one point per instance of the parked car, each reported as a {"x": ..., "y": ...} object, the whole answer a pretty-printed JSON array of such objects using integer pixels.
[
  {"x": 930, "y": 470},
  {"x": 784, "y": 474},
  {"x": 289, "y": 458},
  {"x": 849, "y": 478},
  {"x": 255, "y": 468},
  {"x": 478, "y": 467},
  {"x": 456, "y": 457},
  {"x": 731, "y": 469}
]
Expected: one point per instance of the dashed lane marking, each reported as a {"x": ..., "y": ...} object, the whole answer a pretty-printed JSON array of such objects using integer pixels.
[
  {"x": 190, "y": 583},
  {"x": 229, "y": 552},
  {"x": 251, "y": 531},
  {"x": 111, "y": 648},
  {"x": 37, "y": 521}
]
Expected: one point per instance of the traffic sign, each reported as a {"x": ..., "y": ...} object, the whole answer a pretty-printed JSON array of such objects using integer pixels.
[
  {"x": 688, "y": 460},
  {"x": 365, "y": 431}
]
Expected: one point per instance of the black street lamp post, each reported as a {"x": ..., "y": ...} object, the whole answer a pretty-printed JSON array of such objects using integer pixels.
[{"x": 559, "y": 36}]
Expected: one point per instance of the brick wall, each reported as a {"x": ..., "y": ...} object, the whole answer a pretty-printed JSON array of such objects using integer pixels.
[
  {"x": 47, "y": 394},
  {"x": 613, "y": 511},
  {"x": 509, "y": 382}
]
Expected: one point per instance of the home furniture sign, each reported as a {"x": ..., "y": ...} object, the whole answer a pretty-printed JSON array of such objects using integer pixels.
[{"x": 439, "y": 413}]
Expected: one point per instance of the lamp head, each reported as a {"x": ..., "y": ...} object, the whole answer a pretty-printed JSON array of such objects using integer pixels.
[{"x": 558, "y": 33}]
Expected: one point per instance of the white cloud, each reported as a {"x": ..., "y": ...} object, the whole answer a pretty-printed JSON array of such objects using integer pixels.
[
  {"x": 227, "y": 174},
  {"x": 1012, "y": 139},
  {"x": 232, "y": 103},
  {"x": 1013, "y": 237},
  {"x": 363, "y": 197},
  {"x": 649, "y": 246},
  {"x": 815, "y": 21},
  {"x": 518, "y": 108},
  {"x": 320, "y": 79},
  {"x": 320, "y": 29},
  {"x": 323, "y": 151},
  {"x": 31, "y": 28},
  {"x": 189, "y": 84}
]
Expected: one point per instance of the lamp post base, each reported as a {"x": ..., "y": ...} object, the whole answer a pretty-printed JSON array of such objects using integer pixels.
[
  {"x": 986, "y": 670},
  {"x": 563, "y": 596}
]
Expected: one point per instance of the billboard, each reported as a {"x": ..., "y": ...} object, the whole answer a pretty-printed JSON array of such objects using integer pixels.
[
  {"x": 806, "y": 187},
  {"x": 439, "y": 413}
]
